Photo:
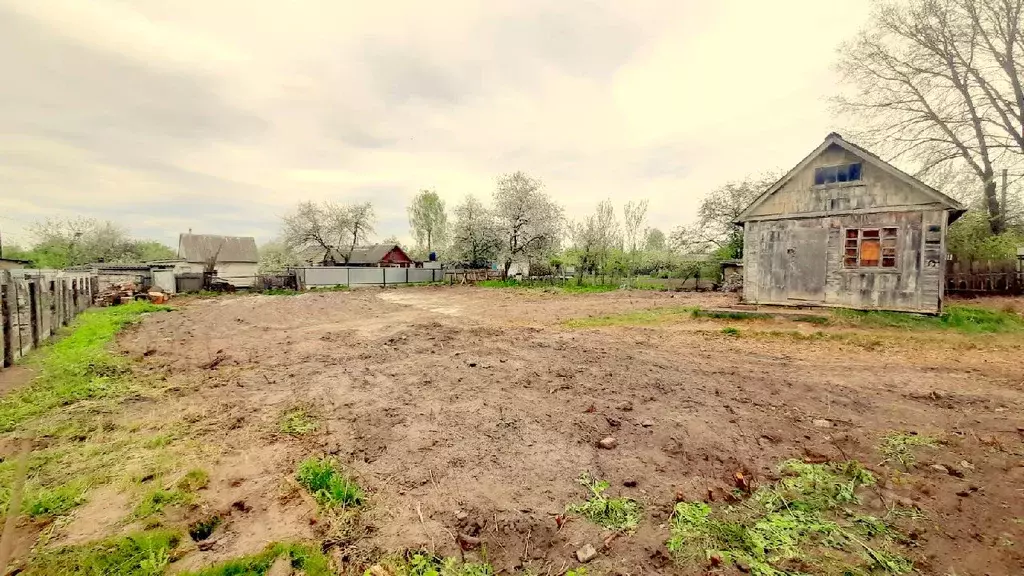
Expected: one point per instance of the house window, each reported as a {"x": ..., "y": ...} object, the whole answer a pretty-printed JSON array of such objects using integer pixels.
[
  {"x": 870, "y": 248},
  {"x": 833, "y": 174}
]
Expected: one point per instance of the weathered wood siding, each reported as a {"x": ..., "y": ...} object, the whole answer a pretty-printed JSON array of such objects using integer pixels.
[
  {"x": 775, "y": 274},
  {"x": 794, "y": 241},
  {"x": 877, "y": 189}
]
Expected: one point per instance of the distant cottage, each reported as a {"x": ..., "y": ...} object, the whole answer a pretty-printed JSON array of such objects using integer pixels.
[
  {"x": 380, "y": 255},
  {"x": 844, "y": 228},
  {"x": 236, "y": 257}
]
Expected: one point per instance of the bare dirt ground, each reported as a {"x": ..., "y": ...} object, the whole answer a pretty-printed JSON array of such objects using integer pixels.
[{"x": 466, "y": 410}]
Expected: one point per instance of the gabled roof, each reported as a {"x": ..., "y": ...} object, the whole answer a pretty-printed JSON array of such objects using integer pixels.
[
  {"x": 371, "y": 254},
  {"x": 869, "y": 157},
  {"x": 201, "y": 247}
]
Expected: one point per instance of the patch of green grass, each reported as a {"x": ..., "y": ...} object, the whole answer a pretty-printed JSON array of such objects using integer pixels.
[
  {"x": 194, "y": 479},
  {"x": 140, "y": 554},
  {"x": 804, "y": 519},
  {"x": 182, "y": 494},
  {"x": 306, "y": 559},
  {"x": 730, "y": 314},
  {"x": 568, "y": 286},
  {"x": 426, "y": 564},
  {"x": 635, "y": 318},
  {"x": 77, "y": 367},
  {"x": 153, "y": 503},
  {"x": 280, "y": 292},
  {"x": 159, "y": 441},
  {"x": 731, "y": 331},
  {"x": 417, "y": 284},
  {"x": 899, "y": 447},
  {"x": 54, "y": 501},
  {"x": 298, "y": 421},
  {"x": 335, "y": 288},
  {"x": 966, "y": 319},
  {"x": 620, "y": 514},
  {"x": 330, "y": 487}
]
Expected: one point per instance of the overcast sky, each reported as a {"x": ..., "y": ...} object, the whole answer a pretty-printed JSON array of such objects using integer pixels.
[{"x": 219, "y": 115}]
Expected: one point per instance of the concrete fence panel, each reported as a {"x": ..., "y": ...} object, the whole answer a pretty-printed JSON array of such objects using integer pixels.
[{"x": 34, "y": 304}]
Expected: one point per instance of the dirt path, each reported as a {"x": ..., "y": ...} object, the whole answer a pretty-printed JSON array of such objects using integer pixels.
[
  {"x": 15, "y": 377},
  {"x": 473, "y": 411}
]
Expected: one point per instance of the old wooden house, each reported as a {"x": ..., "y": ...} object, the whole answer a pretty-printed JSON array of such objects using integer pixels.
[{"x": 844, "y": 228}]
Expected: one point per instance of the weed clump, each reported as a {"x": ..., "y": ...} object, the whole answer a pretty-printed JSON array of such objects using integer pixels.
[
  {"x": 620, "y": 514},
  {"x": 55, "y": 501},
  {"x": 330, "y": 487},
  {"x": 731, "y": 331},
  {"x": 194, "y": 479},
  {"x": 298, "y": 422},
  {"x": 801, "y": 521},
  {"x": 899, "y": 447},
  {"x": 308, "y": 560},
  {"x": 202, "y": 529},
  {"x": 154, "y": 502},
  {"x": 139, "y": 554},
  {"x": 426, "y": 564}
]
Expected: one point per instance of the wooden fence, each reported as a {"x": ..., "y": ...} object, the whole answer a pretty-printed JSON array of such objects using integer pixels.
[
  {"x": 34, "y": 304},
  {"x": 984, "y": 277}
]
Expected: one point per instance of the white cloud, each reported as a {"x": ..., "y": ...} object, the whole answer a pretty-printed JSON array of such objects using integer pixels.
[{"x": 220, "y": 116}]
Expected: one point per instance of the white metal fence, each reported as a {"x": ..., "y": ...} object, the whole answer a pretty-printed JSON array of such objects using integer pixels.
[{"x": 354, "y": 276}]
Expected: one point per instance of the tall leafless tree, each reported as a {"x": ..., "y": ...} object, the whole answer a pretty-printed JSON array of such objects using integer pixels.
[
  {"x": 937, "y": 81},
  {"x": 328, "y": 228},
  {"x": 715, "y": 229}
]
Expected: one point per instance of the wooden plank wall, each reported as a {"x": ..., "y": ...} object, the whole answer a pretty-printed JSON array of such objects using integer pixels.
[{"x": 34, "y": 304}]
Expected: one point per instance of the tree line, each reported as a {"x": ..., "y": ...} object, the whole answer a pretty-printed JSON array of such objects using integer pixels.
[
  {"x": 522, "y": 223},
  {"x": 66, "y": 242}
]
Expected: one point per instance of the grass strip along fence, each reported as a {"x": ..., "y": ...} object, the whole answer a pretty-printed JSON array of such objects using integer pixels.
[{"x": 76, "y": 367}]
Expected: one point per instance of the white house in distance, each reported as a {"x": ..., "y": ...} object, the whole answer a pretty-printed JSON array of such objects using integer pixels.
[{"x": 236, "y": 256}]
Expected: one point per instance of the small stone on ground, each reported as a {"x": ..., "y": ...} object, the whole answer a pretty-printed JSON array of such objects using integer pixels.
[
  {"x": 586, "y": 554},
  {"x": 608, "y": 443}
]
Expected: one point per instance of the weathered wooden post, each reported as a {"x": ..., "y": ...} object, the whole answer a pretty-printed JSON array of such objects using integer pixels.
[{"x": 6, "y": 334}]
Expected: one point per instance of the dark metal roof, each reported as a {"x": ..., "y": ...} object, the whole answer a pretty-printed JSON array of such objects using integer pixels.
[
  {"x": 202, "y": 247},
  {"x": 372, "y": 254}
]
